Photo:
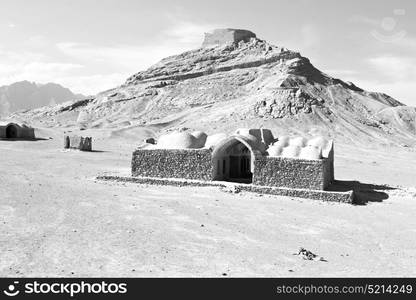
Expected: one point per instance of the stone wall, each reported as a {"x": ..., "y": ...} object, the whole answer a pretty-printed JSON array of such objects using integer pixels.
[
  {"x": 173, "y": 163},
  {"x": 346, "y": 197},
  {"x": 291, "y": 173},
  {"x": 225, "y": 36}
]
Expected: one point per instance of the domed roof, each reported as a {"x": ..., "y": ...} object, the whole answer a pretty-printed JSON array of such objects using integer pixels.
[
  {"x": 310, "y": 152},
  {"x": 321, "y": 142},
  {"x": 263, "y": 135},
  {"x": 201, "y": 138},
  {"x": 291, "y": 151},
  {"x": 275, "y": 150},
  {"x": 252, "y": 141},
  {"x": 213, "y": 140},
  {"x": 298, "y": 141},
  {"x": 283, "y": 140},
  {"x": 177, "y": 140}
]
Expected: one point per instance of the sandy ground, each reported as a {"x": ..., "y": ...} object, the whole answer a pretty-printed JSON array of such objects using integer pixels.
[{"x": 57, "y": 220}]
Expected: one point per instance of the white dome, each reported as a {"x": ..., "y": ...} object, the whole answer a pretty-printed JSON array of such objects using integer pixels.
[
  {"x": 318, "y": 141},
  {"x": 275, "y": 150},
  {"x": 291, "y": 151},
  {"x": 243, "y": 131},
  {"x": 213, "y": 140},
  {"x": 254, "y": 142},
  {"x": 177, "y": 140},
  {"x": 283, "y": 140},
  {"x": 298, "y": 141},
  {"x": 281, "y": 144},
  {"x": 310, "y": 152},
  {"x": 201, "y": 138}
]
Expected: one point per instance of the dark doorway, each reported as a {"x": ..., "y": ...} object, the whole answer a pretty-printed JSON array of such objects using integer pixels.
[
  {"x": 240, "y": 163},
  {"x": 234, "y": 163},
  {"x": 11, "y": 132}
]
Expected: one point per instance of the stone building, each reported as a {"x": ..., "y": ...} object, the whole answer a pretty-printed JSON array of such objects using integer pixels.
[
  {"x": 252, "y": 156},
  {"x": 78, "y": 142},
  {"x": 226, "y": 36},
  {"x": 16, "y": 131}
]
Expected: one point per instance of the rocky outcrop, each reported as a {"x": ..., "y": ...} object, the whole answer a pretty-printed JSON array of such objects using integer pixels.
[{"x": 286, "y": 102}]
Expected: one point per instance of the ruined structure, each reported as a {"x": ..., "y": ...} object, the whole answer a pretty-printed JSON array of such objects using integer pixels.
[
  {"x": 16, "y": 131},
  {"x": 226, "y": 36},
  {"x": 251, "y": 156},
  {"x": 78, "y": 142}
]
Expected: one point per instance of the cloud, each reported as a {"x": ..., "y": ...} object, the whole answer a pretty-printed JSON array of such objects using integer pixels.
[
  {"x": 90, "y": 68},
  {"x": 119, "y": 56},
  {"x": 92, "y": 84},
  {"x": 32, "y": 66},
  {"x": 401, "y": 91},
  {"x": 188, "y": 33},
  {"x": 340, "y": 73},
  {"x": 360, "y": 19},
  {"x": 310, "y": 36},
  {"x": 394, "y": 68}
]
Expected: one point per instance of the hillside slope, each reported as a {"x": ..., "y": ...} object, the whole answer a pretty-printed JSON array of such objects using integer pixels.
[{"x": 241, "y": 83}]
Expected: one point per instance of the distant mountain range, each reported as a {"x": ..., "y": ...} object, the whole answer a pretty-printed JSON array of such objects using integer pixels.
[{"x": 25, "y": 95}]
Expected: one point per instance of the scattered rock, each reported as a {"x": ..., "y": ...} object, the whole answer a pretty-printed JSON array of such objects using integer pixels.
[
  {"x": 309, "y": 255},
  {"x": 233, "y": 189}
]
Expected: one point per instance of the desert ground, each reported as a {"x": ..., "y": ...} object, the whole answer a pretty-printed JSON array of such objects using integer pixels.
[{"x": 58, "y": 220}]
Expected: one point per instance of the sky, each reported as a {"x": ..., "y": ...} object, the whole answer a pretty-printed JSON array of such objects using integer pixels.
[{"x": 93, "y": 45}]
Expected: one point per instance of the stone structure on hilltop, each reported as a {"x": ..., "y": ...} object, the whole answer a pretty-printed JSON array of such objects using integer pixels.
[{"x": 225, "y": 36}]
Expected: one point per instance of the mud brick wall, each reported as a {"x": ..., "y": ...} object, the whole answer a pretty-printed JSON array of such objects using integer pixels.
[
  {"x": 182, "y": 163},
  {"x": 291, "y": 173}
]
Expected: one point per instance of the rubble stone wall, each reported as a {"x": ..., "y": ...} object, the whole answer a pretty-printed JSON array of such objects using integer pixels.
[
  {"x": 173, "y": 163},
  {"x": 291, "y": 173}
]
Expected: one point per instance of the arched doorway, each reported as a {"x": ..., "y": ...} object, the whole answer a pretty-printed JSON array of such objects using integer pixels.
[
  {"x": 11, "y": 131},
  {"x": 233, "y": 161}
]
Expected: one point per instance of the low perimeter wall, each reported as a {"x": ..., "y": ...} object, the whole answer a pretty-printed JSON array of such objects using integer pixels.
[
  {"x": 183, "y": 163},
  {"x": 292, "y": 173}
]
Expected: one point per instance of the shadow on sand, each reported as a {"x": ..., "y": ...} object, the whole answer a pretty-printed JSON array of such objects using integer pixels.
[{"x": 363, "y": 192}]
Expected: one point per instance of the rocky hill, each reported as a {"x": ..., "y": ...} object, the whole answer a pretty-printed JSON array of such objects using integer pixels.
[
  {"x": 238, "y": 80},
  {"x": 25, "y": 95}
]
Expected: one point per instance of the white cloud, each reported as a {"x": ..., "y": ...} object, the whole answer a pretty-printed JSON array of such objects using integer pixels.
[
  {"x": 401, "y": 91},
  {"x": 340, "y": 73},
  {"x": 364, "y": 20},
  {"x": 188, "y": 33},
  {"x": 92, "y": 84},
  {"x": 17, "y": 66},
  {"x": 395, "y": 68},
  {"x": 310, "y": 36}
]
